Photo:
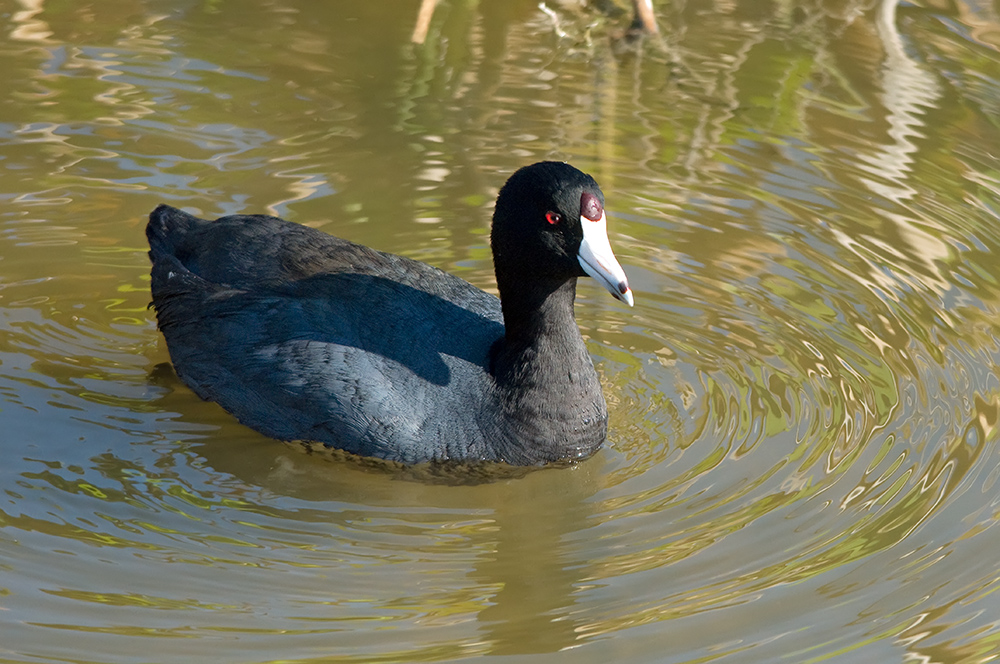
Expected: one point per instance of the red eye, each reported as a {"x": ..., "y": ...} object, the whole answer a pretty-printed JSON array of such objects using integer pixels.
[{"x": 553, "y": 217}]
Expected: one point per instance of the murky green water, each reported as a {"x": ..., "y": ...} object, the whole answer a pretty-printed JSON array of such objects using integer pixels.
[{"x": 803, "y": 461}]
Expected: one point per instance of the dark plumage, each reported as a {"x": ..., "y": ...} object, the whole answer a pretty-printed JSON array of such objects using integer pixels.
[{"x": 305, "y": 336}]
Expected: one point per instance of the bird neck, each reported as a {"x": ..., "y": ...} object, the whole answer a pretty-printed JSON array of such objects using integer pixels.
[
  {"x": 550, "y": 392},
  {"x": 542, "y": 311}
]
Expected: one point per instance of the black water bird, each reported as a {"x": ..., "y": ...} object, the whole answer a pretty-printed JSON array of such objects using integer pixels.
[{"x": 305, "y": 336}]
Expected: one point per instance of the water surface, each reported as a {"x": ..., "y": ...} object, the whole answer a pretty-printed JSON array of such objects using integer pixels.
[{"x": 802, "y": 462}]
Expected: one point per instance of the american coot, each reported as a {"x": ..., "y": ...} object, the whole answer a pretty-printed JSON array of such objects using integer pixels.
[{"x": 304, "y": 336}]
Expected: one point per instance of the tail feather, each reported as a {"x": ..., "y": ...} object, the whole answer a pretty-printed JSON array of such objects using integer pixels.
[
  {"x": 171, "y": 281},
  {"x": 167, "y": 229}
]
